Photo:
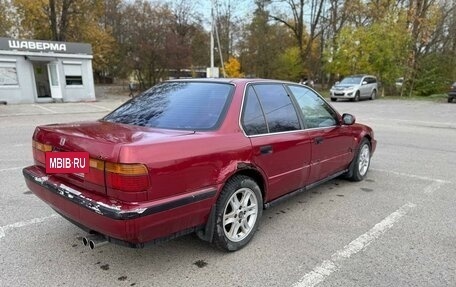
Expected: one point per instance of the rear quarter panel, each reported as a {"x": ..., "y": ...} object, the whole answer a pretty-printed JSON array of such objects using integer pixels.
[{"x": 189, "y": 163}]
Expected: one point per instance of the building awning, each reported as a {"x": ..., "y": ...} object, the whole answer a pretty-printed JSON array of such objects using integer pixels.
[{"x": 40, "y": 58}]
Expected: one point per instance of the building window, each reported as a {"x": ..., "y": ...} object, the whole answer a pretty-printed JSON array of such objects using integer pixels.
[
  {"x": 8, "y": 74},
  {"x": 73, "y": 74}
]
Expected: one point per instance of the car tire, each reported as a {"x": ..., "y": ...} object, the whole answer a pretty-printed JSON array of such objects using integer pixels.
[
  {"x": 450, "y": 99},
  {"x": 360, "y": 164},
  {"x": 333, "y": 100},
  {"x": 238, "y": 212},
  {"x": 373, "y": 95},
  {"x": 356, "y": 98}
]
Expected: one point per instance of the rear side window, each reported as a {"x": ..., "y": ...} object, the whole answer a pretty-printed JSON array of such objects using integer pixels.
[
  {"x": 277, "y": 107},
  {"x": 253, "y": 119},
  {"x": 370, "y": 80},
  {"x": 176, "y": 105}
]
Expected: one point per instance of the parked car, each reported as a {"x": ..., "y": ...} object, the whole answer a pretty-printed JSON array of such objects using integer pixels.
[
  {"x": 204, "y": 156},
  {"x": 452, "y": 93},
  {"x": 399, "y": 82},
  {"x": 354, "y": 88}
]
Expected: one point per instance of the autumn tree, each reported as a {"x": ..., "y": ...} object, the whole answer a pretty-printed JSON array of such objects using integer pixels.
[
  {"x": 379, "y": 49},
  {"x": 233, "y": 68},
  {"x": 229, "y": 28},
  {"x": 67, "y": 20},
  {"x": 256, "y": 54},
  {"x": 288, "y": 65},
  {"x": 6, "y": 22},
  {"x": 200, "y": 48},
  {"x": 305, "y": 36},
  {"x": 56, "y": 20},
  {"x": 144, "y": 30}
]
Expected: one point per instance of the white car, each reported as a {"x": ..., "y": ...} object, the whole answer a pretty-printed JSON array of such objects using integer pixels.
[{"x": 354, "y": 88}]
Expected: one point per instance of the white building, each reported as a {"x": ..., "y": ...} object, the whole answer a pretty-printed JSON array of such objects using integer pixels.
[{"x": 35, "y": 71}]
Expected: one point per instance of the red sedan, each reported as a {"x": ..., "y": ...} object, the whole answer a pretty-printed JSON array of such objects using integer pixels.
[{"x": 204, "y": 156}]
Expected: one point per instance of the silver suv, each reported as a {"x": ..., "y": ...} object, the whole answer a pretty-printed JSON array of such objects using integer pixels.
[{"x": 355, "y": 87}]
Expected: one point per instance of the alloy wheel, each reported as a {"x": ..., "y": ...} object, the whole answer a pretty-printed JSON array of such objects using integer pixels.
[
  {"x": 364, "y": 159},
  {"x": 240, "y": 214}
]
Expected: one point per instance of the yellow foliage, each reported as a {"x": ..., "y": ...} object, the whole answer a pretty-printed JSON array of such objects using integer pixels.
[
  {"x": 83, "y": 25},
  {"x": 233, "y": 68}
]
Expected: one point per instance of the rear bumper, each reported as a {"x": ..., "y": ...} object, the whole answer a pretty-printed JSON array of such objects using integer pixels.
[{"x": 130, "y": 222}]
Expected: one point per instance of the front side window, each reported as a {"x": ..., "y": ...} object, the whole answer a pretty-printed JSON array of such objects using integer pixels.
[
  {"x": 278, "y": 109},
  {"x": 176, "y": 105},
  {"x": 8, "y": 74},
  {"x": 317, "y": 113}
]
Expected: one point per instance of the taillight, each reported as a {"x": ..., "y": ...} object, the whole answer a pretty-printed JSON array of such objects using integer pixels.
[
  {"x": 127, "y": 177},
  {"x": 39, "y": 151},
  {"x": 96, "y": 174}
]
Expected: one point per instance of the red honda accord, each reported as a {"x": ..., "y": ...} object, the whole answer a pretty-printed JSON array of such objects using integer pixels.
[{"x": 204, "y": 156}]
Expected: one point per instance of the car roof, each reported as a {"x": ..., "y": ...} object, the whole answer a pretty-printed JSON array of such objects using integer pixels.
[
  {"x": 230, "y": 80},
  {"x": 360, "y": 75}
]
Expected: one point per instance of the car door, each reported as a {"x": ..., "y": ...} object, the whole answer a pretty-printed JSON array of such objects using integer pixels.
[
  {"x": 332, "y": 143},
  {"x": 281, "y": 148},
  {"x": 372, "y": 85},
  {"x": 365, "y": 88}
]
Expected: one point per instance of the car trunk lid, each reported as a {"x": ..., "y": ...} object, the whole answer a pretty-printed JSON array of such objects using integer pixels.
[{"x": 103, "y": 140}]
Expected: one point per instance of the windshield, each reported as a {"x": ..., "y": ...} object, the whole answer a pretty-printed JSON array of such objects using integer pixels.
[
  {"x": 176, "y": 105},
  {"x": 351, "y": 81}
]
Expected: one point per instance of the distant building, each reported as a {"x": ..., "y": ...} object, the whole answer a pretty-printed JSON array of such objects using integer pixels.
[{"x": 35, "y": 71}]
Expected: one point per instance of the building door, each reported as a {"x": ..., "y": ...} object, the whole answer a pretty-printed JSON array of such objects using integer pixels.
[
  {"x": 54, "y": 81},
  {"x": 43, "y": 89}
]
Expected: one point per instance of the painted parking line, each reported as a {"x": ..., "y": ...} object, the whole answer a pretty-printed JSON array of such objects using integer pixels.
[
  {"x": 4, "y": 229},
  {"x": 99, "y": 107},
  {"x": 412, "y": 175},
  {"x": 44, "y": 108},
  {"x": 432, "y": 187},
  {"x": 327, "y": 267}
]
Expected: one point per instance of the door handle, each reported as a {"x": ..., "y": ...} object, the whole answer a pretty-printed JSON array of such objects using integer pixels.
[
  {"x": 266, "y": 149},
  {"x": 318, "y": 140}
]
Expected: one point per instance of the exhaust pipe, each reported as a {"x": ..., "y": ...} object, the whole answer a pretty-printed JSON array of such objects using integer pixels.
[{"x": 94, "y": 240}]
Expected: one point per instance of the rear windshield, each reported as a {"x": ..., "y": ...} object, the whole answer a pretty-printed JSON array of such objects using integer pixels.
[{"x": 176, "y": 105}]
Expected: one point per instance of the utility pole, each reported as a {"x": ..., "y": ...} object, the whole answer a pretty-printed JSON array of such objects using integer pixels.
[{"x": 212, "y": 39}]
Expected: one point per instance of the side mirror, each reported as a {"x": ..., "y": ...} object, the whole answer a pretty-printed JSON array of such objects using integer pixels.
[
  {"x": 348, "y": 119},
  {"x": 364, "y": 83},
  {"x": 337, "y": 83}
]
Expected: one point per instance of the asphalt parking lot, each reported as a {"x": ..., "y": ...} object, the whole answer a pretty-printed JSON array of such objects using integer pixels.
[{"x": 396, "y": 228}]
